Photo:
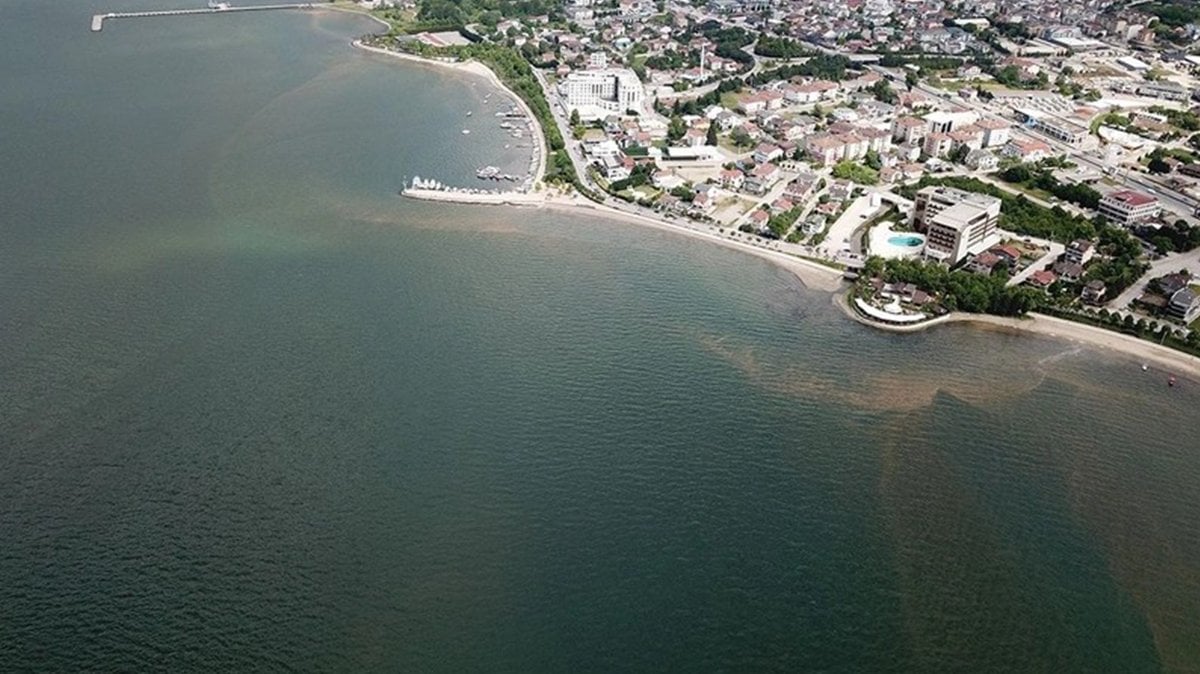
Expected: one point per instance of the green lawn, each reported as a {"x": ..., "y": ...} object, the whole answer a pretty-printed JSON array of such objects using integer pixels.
[
  {"x": 1031, "y": 191},
  {"x": 643, "y": 192}
]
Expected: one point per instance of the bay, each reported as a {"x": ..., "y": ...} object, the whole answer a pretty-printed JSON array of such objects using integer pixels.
[{"x": 257, "y": 411}]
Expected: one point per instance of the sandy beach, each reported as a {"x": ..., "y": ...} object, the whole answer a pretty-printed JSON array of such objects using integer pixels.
[
  {"x": 811, "y": 274},
  {"x": 1140, "y": 350}
]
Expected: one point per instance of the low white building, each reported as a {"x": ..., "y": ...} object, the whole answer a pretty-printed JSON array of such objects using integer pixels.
[{"x": 1127, "y": 207}]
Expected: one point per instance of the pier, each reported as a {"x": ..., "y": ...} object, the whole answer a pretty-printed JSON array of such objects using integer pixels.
[
  {"x": 213, "y": 8},
  {"x": 433, "y": 190}
]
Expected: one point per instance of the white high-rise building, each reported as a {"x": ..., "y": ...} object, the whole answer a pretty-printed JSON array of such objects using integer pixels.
[{"x": 599, "y": 93}]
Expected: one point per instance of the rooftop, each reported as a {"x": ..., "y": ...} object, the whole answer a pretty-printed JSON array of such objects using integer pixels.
[{"x": 1131, "y": 198}]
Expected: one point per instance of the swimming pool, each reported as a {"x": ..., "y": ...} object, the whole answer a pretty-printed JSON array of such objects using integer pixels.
[{"x": 907, "y": 241}]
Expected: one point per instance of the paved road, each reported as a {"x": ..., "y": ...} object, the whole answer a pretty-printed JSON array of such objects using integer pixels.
[
  {"x": 838, "y": 238},
  {"x": 1171, "y": 263}
]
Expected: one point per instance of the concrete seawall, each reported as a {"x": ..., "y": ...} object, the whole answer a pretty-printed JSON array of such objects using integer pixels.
[{"x": 463, "y": 197}]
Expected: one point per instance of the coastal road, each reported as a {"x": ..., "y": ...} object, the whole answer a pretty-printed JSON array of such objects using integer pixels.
[{"x": 574, "y": 148}]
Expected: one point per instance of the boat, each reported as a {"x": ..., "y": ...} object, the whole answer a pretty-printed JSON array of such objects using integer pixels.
[
  {"x": 466, "y": 131},
  {"x": 505, "y": 125},
  {"x": 1171, "y": 380},
  {"x": 470, "y": 112},
  {"x": 1144, "y": 368}
]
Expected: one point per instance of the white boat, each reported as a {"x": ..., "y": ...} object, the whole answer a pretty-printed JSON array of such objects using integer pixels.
[{"x": 466, "y": 131}]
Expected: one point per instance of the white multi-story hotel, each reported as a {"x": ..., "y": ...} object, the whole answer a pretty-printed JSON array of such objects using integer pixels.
[
  {"x": 599, "y": 93},
  {"x": 956, "y": 223}
]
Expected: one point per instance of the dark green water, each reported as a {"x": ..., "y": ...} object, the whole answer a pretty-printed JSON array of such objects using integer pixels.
[{"x": 256, "y": 412}]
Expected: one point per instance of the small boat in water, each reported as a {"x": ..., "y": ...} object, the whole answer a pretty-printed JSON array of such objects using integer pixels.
[
  {"x": 466, "y": 131},
  {"x": 1171, "y": 381},
  {"x": 470, "y": 112}
]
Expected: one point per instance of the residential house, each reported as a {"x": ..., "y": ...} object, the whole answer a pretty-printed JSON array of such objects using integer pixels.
[
  {"x": 1027, "y": 149},
  {"x": 759, "y": 219},
  {"x": 1093, "y": 292},
  {"x": 732, "y": 179},
  {"x": 1042, "y": 279},
  {"x": 766, "y": 152},
  {"x": 1080, "y": 252},
  {"x": 762, "y": 178},
  {"x": 1184, "y": 305},
  {"x": 982, "y": 160},
  {"x": 983, "y": 263},
  {"x": 1069, "y": 272}
]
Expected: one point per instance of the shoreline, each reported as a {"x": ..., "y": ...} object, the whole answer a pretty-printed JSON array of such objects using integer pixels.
[
  {"x": 1135, "y": 348},
  {"x": 810, "y": 274},
  {"x": 473, "y": 67}
]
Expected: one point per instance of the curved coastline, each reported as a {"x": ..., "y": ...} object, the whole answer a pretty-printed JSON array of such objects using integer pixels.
[
  {"x": 811, "y": 274},
  {"x": 1167, "y": 358},
  {"x": 476, "y": 68}
]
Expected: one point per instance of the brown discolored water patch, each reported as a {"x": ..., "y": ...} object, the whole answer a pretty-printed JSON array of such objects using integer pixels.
[
  {"x": 907, "y": 386},
  {"x": 1150, "y": 530}
]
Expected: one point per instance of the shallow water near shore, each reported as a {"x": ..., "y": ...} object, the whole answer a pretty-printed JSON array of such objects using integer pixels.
[{"x": 258, "y": 411}]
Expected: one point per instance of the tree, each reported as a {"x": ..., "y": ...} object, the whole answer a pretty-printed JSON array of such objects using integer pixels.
[
  {"x": 741, "y": 138},
  {"x": 575, "y": 121},
  {"x": 710, "y": 138},
  {"x": 1159, "y": 165},
  {"x": 676, "y": 129},
  {"x": 958, "y": 154},
  {"x": 872, "y": 160},
  {"x": 849, "y": 170},
  {"x": 911, "y": 79},
  {"x": 684, "y": 193},
  {"x": 883, "y": 92}
]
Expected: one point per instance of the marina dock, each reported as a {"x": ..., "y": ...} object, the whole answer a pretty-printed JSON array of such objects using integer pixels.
[{"x": 213, "y": 8}]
